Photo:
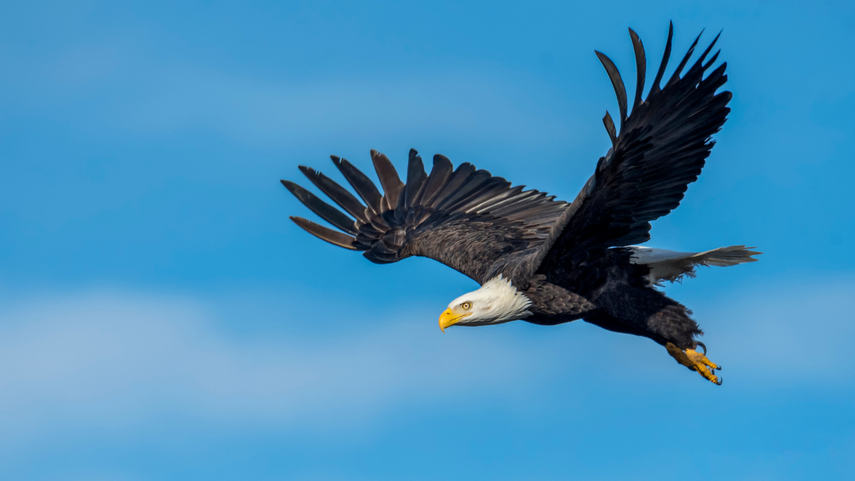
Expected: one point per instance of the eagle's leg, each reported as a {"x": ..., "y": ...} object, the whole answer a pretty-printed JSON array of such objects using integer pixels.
[{"x": 695, "y": 361}]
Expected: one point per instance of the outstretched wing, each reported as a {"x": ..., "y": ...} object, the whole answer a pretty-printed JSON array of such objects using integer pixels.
[
  {"x": 661, "y": 149},
  {"x": 465, "y": 218}
]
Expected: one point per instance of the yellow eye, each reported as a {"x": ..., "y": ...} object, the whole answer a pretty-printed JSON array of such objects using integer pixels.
[{"x": 466, "y": 305}]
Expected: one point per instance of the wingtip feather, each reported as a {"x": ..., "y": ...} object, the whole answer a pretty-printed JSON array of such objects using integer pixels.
[
  {"x": 333, "y": 237},
  {"x": 666, "y": 56},
  {"x": 610, "y": 128},
  {"x": 617, "y": 83},
  {"x": 325, "y": 211},
  {"x": 640, "y": 67}
]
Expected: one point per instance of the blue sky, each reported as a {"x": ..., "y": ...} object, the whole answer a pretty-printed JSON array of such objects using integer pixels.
[{"x": 160, "y": 318}]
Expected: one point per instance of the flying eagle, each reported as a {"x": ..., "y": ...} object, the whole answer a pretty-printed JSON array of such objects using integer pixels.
[{"x": 546, "y": 261}]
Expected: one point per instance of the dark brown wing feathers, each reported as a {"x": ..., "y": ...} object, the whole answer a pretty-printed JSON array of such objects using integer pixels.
[
  {"x": 360, "y": 183},
  {"x": 640, "y": 66},
  {"x": 481, "y": 225},
  {"x": 617, "y": 83},
  {"x": 415, "y": 179},
  {"x": 465, "y": 218},
  {"x": 660, "y": 149},
  {"x": 666, "y": 55},
  {"x": 337, "y": 193},
  {"x": 321, "y": 232},
  {"x": 324, "y": 210},
  {"x": 389, "y": 180}
]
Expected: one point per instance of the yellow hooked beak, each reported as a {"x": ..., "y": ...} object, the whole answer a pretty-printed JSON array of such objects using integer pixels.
[{"x": 449, "y": 318}]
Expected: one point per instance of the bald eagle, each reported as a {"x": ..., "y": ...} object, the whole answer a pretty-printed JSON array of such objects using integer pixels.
[{"x": 543, "y": 260}]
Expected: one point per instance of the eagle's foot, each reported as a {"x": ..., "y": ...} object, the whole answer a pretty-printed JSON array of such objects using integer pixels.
[{"x": 695, "y": 361}]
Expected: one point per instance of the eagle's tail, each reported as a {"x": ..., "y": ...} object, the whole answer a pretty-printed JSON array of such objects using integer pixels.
[
  {"x": 727, "y": 256},
  {"x": 672, "y": 266}
]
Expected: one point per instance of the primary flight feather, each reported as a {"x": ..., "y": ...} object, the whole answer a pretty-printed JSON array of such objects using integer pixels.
[{"x": 543, "y": 260}]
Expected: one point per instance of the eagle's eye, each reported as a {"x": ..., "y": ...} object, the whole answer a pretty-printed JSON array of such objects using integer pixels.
[{"x": 466, "y": 305}]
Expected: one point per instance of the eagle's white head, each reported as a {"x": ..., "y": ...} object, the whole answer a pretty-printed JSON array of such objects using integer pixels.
[{"x": 495, "y": 302}]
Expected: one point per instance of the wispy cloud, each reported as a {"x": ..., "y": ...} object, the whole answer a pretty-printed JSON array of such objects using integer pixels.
[
  {"x": 106, "y": 360},
  {"x": 101, "y": 360}
]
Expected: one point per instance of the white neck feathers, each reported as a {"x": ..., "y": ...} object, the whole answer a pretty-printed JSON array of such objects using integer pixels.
[{"x": 508, "y": 302}]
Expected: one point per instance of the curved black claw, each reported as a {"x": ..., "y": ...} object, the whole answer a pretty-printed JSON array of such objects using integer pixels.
[
  {"x": 703, "y": 346},
  {"x": 720, "y": 380}
]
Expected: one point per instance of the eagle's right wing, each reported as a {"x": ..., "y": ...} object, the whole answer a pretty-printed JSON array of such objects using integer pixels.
[{"x": 467, "y": 219}]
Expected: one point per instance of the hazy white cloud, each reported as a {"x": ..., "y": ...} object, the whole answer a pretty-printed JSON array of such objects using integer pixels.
[
  {"x": 107, "y": 360},
  {"x": 112, "y": 361}
]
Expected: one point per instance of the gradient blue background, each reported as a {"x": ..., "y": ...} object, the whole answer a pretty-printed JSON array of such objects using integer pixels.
[{"x": 160, "y": 318}]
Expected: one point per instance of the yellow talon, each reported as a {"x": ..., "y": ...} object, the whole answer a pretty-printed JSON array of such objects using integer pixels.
[
  {"x": 700, "y": 358},
  {"x": 695, "y": 361}
]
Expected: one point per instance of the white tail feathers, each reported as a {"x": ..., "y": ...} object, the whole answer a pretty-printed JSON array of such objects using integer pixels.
[{"x": 671, "y": 266}]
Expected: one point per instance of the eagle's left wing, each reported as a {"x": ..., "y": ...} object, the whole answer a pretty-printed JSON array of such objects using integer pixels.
[
  {"x": 661, "y": 148},
  {"x": 467, "y": 219}
]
